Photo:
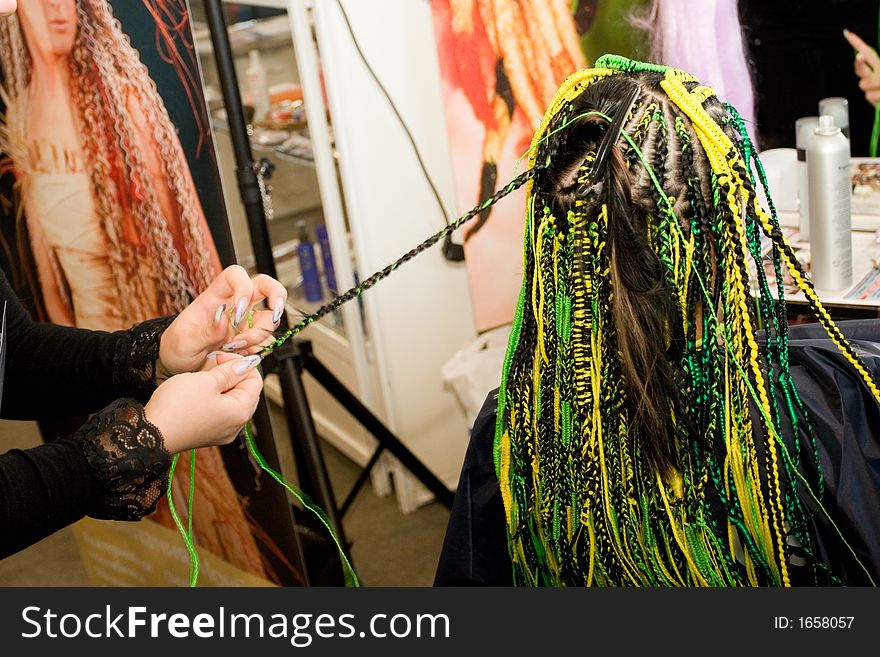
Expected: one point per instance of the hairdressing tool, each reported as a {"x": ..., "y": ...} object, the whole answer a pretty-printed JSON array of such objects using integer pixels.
[{"x": 610, "y": 138}]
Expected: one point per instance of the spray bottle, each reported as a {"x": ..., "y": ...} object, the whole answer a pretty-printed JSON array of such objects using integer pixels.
[
  {"x": 830, "y": 177},
  {"x": 326, "y": 257},
  {"x": 804, "y": 129},
  {"x": 257, "y": 85},
  {"x": 308, "y": 265}
]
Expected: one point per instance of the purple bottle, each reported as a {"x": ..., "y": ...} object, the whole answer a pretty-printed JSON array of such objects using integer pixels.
[
  {"x": 327, "y": 258},
  {"x": 308, "y": 265}
]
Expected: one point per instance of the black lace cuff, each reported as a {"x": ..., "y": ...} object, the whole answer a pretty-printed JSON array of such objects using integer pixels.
[
  {"x": 127, "y": 456},
  {"x": 136, "y": 357}
]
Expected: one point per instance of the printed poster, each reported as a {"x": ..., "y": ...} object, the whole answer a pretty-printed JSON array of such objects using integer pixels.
[
  {"x": 501, "y": 62},
  {"x": 112, "y": 213}
]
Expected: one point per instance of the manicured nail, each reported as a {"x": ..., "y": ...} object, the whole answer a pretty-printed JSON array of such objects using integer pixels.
[
  {"x": 247, "y": 364},
  {"x": 212, "y": 356},
  {"x": 219, "y": 314},
  {"x": 240, "y": 309},
  {"x": 235, "y": 344},
  {"x": 277, "y": 311}
]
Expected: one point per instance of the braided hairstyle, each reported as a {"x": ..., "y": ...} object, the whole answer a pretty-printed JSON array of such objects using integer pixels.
[{"x": 645, "y": 435}]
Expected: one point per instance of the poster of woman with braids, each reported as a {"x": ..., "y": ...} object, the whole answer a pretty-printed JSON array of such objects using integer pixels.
[
  {"x": 501, "y": 62},
  {"x": 109, "y": 183}
]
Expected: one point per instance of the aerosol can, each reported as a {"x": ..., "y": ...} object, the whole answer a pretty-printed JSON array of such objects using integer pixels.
[{"x": 830, "y": 178}]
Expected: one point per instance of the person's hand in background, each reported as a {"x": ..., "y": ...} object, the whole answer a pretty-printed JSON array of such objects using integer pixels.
[
  {"x": 202, "y": 409},
  {"x": 220, "y": 319},
  {"x": 867, "y": 67}
]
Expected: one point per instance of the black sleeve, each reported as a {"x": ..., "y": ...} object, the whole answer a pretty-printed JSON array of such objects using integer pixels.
[
  {"x": 474, "y": 550},
  {"x": 114, "y": 467},
  {"x": 78, "y": 371}
]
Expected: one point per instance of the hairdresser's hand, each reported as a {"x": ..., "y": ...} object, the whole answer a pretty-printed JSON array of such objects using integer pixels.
[
  {"x": 221, "y": 319},
  {"x": 201, "y": 409},
  {"x": 867, "y": 67},
  {"x": 7, "y": 7}
]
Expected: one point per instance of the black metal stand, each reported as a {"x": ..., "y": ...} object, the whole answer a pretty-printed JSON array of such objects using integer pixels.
[
  {"x": 311, "y": 470},
  {"x": 300, "y": 352},
  {"x": 291, "y": 359}
]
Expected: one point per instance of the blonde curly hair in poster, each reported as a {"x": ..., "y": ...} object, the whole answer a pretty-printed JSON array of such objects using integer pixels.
[
  {"x": 105, "y": 204},
  {"x": 117, "y": 229}
]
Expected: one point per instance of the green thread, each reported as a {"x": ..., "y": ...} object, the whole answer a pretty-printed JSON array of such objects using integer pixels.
[
  {"x": 351, "y": 578},
  {"x": 547, "y": 136},
  {"x": 186, "y": 535},
  {"x": 875, "y": 131},
  {"x": 623, "y": 64},
  {"x": 192, "y": 490}
]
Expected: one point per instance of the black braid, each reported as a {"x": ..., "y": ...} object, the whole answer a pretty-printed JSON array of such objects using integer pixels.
[{"x": 356, "y": 291}]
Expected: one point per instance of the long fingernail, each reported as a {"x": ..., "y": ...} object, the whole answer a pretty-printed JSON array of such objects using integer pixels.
[
  {"x": 219, "y": 314},
  {"x": 247, "y": 364},
  {"x": 212, "y": 356},
  {"x": 235, "y": 344},
  {"x": 240, "y": 308},
  {"x": 277, "y": 311}
]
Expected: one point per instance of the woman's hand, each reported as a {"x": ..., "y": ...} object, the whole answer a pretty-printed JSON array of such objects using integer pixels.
[
  {"x": 8, "y": 7},
  {"x": 201, "y": 409},
  {"x": 867, "y": 67},
  {"x": 221, "y": 319}
]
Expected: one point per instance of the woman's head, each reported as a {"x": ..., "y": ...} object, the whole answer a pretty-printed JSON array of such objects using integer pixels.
[
  {"x": 49, "y": 27},
  {"x": 639, "y": 431}
]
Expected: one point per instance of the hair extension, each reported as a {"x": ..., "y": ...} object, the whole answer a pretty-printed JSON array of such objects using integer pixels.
[
  {"x": 370, "y": 281},
  {"x": 644, "y": 434}
]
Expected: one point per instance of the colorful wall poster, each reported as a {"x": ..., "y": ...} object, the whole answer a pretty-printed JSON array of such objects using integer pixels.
[
  {"x": 112, "y": 209},
  {"x": 501, "y": 62}
]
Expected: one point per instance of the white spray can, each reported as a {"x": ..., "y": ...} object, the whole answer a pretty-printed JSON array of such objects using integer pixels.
[
  {"x": 257, "y": 85},
  {"x": 804, "y": 129},
  {"x": 830, "y": 179}
]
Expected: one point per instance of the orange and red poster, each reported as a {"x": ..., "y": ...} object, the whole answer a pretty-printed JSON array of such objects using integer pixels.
[
  {"x": 501, "y": 62},
  {"x": 112, "y": 214}
]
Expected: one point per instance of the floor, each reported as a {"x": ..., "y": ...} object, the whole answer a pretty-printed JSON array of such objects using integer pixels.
[{"x": 388, "y": 547}]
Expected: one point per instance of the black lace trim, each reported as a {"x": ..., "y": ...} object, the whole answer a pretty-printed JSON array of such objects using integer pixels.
[
  {"x": 136, "y": 357},
  {"x": 127, "y": 455}
]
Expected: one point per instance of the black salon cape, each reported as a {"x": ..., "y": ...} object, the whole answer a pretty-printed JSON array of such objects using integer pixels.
[
  {"x": 842, "y": 411},
  {"x": 51, "y": 371}
]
